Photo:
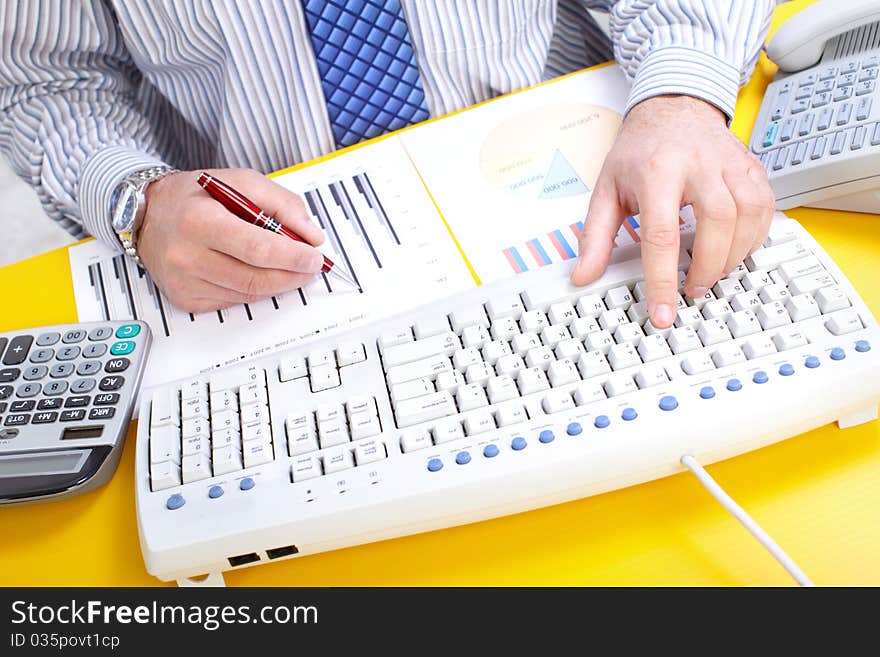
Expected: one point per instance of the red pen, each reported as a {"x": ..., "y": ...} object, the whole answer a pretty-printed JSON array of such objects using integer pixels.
[{"x": 242, "y": 207}]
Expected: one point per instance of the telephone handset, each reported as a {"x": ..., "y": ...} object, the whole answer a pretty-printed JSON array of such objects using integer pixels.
[{"x": 818, "y": 130}]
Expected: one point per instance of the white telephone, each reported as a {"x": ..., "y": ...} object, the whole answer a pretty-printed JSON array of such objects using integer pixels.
[{"x": 818, "y": 131}]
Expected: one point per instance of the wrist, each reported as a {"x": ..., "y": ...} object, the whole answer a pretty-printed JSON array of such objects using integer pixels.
[
  {"x": 681, "y": 106},
  {"x": 129, "y": 205}
]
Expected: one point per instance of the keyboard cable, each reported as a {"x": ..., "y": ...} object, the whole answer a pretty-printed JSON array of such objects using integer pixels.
[{"x": 739, "y": 513}]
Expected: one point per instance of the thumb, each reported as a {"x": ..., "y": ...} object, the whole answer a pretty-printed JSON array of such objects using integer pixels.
[{"x": 597, "y": 238}]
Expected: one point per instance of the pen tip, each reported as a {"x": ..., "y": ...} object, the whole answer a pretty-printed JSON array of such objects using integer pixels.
[{"x": 344, "y": 276}]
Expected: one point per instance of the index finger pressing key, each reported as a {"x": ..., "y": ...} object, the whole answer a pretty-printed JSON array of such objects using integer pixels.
[{"x": 660, "y": 253}]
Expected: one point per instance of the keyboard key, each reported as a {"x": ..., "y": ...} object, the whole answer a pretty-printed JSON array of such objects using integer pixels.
[
  {"x": 611, "y": 319},
  {"x": 164, "y": 475},
  {"x": 621, "y": 356},
  {"x": 413, "y": 441},
  {"x": 727, "y": 287},
  {"x": 843, "y": 321},
  {"x": 475, "y": 336},
  {"x": 571, "y": 348},
  {"x": 743, "y": 323},
  {"x": 789, "y": 338},
  {"x": 847, "y": 79},
  {"x": 684, "y": 339},
  {"x": 501, "y": 388},
  {"x": 226, "y": 460},
  {"x": 697, "y": 363},
  {"x": 788, "y": 129},
  {"x": 781, "y": 158},
  {"x": 713, "y": 331},
  {"x": 770, "y": 257},
  {"x": 593, "y": 363},
  {"x": 689, "y": 316},
  {"x": 838, "y": 144},
  {"x": 591, "y": 305},
  {"x": 305, "y": 468},
  {"x": 505, "y": 305},
  {"x": 395, "y": 337},
  {"x": 653, "y": 347},
  {"x": 875, "y": 136},
  {"x": 758, "y": 346},
  {"x": 553, "y": 335},
  {"x": 772, "y": 130},
  {"x": 819, "y": 99},
  {"x": 369, "y": 452},
  {"x": 858, "y": 139},
  {"x": 365, "y": 425},
  {"x": 255, "y": 452},
  {"x": 335, "y": 432},
  {"x": 799, "y": 153},
  {"x": 540, "y": 357},
  {"x": 427, "y": 368},
  {"x": 464, "y": 317},
  {"x": 774, "y": 292},
  {"x": 619, "y": 384},
  {"x": 772, "y": 315},
  {"x": 728, "y": 354},
  {"x": 531, "y": 380},
  {"x": 831, "y": 299},
  {"x": 843, "y": 93},
  {"x": 745, "y": 301},
  {"x": 557, "y": 401},
  {"x": 599, "y": 341},
  {"x": 441, "y": 344},
  {"x": 425, "y": 328},
  {"x": 865, "y": 87},
  {"x": 618, "y": 297},
  {"x": 196, "y": 467},
  {"x": 301, "y": 435},
  {"x": 562, "y": 313},
  {"x": 810, "y": 283},
  {"x": 651, "y": 375},
  {"x": 562, "y": 372},
  {"x": 801, "y": 307},
  {"x": 824, "y": 118},
  {"x": 411, "y": 389},
  {"x": 338, "y": 460},
  {"x": 532, "y": 321},
  {"x": 525, "y": 342},
  {"x": 863, "y": 108},
  {"x": 505, "y": 365}
]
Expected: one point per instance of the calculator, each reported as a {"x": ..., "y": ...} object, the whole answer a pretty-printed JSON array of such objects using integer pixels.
[{"x": 66, "y": 399}]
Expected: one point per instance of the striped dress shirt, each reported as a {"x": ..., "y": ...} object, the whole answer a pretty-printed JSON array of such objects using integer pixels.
[{"x": 92, "y": 90}]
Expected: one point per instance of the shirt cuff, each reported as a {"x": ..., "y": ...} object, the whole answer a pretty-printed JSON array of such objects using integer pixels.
[
  {"x": 675, "y": 70},
  {"x": 102, "y": 173}
]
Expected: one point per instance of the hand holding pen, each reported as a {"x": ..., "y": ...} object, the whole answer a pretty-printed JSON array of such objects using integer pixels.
[{"x": 204, "y": 257}]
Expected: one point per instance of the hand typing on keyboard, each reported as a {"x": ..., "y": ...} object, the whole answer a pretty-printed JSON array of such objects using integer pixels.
[{"x": 671, "y": 152}]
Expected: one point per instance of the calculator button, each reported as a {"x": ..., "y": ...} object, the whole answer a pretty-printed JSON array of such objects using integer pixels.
[
  {"x": 116, "y": 365},
  {"x": 42, "y": 355},
  {"x": 106, "y": 399},
  {"x": 100, "y": 333},
  {"x": 6, "y": 392},
  {"x": 28, "y": 390},
  {"x": 76, "y": 335},
  {"x": 88, "y": 367},
  {"x": 95, "y": 350},
  {"x": 50, "y": 404},
  {"x": 824, "y": 120},
  {"x": 787, "y": 130},
  {"x": 73, "y": 415},
  {"x": 17, "y": 350},
  {"x": 77, "y": 402},
  {"x": 17, "y": 420},
  {"x": 103, "y": 413},
  {"x": 111, "y": 383},
  {"x": 45, "y": 417},
  {"x": 35, "y": 373},
  {"x": 82, "y": 386},
  {"x": 22, "y": 405},
  {"x": 48, "y": 339},
  {"x": 61, "y": 370},
  {"x": 67, "y": 353},
  {"x": 122, "y": 348},
  {"x": 128, "y": 331},
  {"x": 9, "y": 374},
  {"x": 55, "y": 388}
]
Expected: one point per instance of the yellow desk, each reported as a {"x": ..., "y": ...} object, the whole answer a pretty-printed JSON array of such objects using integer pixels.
[{"x": 817, "y": 494}]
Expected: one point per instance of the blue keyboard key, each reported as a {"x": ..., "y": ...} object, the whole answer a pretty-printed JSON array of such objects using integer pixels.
[
  {"x": 601, "y": 421},
  {"x": 812, "y": 362},
  {"x": 707, "y": 392},
  {"x": 214, "y": 492},
  {"x": 574, "y": 429},
  {"x": 490, "y": 451},
  {"x": 760, "y": 377},
  {"x": 862, "y": 346},
  {"x": 434, "y": 465},
  {"x": 629, "y": 414},
  {"x": 518, "y": 443},
  {"x": 463, "y": 458},
  {"x": 546, "y": 436},
  {"x": 838, "y": 354},
  {"x": 734, "y": 384},
  {"x": 668, "y": 403},
  {"x": 246, "y": 484},
  {"x": 786, "y": 369},
  {"x": 770, "y": 135}
]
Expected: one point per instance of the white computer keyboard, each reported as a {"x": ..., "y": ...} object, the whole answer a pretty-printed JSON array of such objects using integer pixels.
[{"x": 512, "y": 396}]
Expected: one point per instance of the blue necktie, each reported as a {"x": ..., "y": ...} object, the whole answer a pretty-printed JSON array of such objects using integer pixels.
[{"x": 368, "y": 70}]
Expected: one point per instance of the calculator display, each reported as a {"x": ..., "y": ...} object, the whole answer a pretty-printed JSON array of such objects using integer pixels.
[{"x": 43, "y": 463}]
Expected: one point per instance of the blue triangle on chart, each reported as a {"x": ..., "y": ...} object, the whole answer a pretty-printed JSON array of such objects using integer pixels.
[{"x": 561, "y": 179}]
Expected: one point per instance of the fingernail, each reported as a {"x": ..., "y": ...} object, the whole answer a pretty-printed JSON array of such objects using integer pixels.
[
  {"x": 697, "y": 292},
  {"x": 663, "y": 315},
  {"x": 317, "y": 262}
]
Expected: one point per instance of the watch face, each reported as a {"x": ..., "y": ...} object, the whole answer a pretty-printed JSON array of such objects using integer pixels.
[{"x": 124, "y": 209}]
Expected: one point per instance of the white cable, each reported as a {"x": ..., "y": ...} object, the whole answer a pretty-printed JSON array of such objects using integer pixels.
[{"x": 739, "y": 513}]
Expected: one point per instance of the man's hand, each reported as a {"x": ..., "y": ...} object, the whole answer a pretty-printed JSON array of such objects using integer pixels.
[
  {"x": 674, "y": 151},
  {"x": 204, "y": 258}
]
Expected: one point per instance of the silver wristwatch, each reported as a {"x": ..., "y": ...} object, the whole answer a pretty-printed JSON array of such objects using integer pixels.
[{"x": 127, "y": 205}]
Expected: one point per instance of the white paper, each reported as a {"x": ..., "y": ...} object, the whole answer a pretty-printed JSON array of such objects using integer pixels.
[
  {"x": 399, "y": 250},
  {"x": 513, "y": 177}
]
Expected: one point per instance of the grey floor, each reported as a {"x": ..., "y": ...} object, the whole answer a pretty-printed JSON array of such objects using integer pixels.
[{"x": 27, "y": 230}]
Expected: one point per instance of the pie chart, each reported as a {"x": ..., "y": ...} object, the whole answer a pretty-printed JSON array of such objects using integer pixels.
[{"x": 550, "y": 152}]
